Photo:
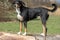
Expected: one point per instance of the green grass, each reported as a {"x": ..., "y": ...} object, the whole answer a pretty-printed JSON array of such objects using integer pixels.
[{"x": 34, "y": 26}]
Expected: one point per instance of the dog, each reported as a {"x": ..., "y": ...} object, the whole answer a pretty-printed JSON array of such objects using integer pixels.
[{"x": 25, "y": 14}]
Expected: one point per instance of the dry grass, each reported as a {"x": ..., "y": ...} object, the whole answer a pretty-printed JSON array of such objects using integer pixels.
[{"x": 57, "y": 12}]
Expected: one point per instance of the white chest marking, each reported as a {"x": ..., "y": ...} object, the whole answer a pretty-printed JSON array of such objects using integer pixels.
[
  {"x": 18, "y": 10},
  {"x": 18, "y": 15}
]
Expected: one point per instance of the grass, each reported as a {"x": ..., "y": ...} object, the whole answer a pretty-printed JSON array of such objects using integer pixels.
[{"x": 34, "y": 26}]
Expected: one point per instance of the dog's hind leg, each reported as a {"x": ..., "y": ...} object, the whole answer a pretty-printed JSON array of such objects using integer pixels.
[{"x": 44, "y": 19}]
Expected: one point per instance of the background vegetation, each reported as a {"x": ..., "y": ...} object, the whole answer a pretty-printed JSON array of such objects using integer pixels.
[{"x": 7, "y": 11}]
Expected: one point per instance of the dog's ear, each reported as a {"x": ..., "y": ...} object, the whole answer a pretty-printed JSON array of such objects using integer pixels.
[
  {"x": 13, "y": 2},
  {"x": 22, "y": 2}
]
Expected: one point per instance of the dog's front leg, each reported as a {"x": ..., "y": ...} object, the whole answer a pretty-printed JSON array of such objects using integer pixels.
[
  {"x": 20, "y": 32},
  {"x": 21, "y": 26},
  {"x": 25, "y": 27}
]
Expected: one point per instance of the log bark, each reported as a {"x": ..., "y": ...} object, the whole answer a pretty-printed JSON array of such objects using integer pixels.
[{"x": 8, "y": 36}]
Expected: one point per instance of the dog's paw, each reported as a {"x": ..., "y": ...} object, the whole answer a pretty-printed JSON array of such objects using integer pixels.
[
  {"x": 42, "y": 34},
  {"x": 19, "y": 33},
  {"x": 25, "y": 34}
]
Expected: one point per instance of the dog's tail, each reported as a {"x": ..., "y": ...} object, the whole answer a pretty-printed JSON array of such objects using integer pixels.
[{"x": 54, "y": 9}]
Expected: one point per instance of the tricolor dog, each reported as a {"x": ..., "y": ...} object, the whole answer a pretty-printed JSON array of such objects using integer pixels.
[{"x": 24, "y": 14}]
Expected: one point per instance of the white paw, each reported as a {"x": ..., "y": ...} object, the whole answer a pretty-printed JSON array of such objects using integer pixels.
[
  {"x": 25, "y": 34},
  {"x": 19, "y": 33},
  {"x": 42, "y": 34}
]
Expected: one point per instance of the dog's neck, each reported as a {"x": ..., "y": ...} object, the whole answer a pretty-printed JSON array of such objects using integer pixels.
[
  {"x": 18, "y": 11},
  {"x": 22, "y": 8}
]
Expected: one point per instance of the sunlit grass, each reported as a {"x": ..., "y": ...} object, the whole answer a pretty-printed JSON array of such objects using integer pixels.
[{"x": 34, "y": 26}]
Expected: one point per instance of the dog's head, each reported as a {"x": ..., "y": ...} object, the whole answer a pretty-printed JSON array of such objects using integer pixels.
[{"x": 18, "y": 3}]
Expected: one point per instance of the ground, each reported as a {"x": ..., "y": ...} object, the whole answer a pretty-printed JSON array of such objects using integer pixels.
[{"x": 9, "y": 36}]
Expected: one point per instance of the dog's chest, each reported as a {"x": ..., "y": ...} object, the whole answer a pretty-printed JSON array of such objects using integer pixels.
[
  {"x": 18, "y": 10},
  {"x": 18, "y": 14}
]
